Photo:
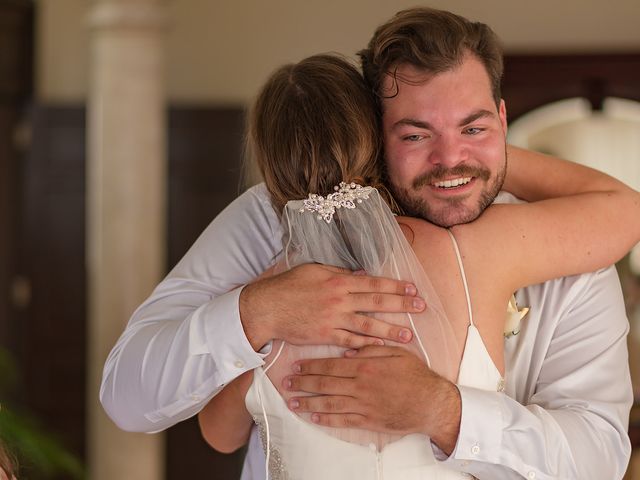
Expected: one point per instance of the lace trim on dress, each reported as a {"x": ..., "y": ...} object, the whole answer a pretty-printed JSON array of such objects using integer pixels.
[
  {"x": 346, "y": 196},
  {"x": 277, "y": 470}
]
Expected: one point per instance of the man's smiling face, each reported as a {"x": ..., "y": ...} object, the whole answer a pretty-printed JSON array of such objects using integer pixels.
[{"x": 444, "y": 142}]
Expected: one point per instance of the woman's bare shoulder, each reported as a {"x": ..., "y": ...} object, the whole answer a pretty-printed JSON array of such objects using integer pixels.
[{"x": 417, "y": 229}]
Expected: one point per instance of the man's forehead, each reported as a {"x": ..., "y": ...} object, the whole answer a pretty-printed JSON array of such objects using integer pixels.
[
  {"x": 470, "y": 73},
  {"x": 412, "y": 74},
  {"x": 404, "y": 74}
]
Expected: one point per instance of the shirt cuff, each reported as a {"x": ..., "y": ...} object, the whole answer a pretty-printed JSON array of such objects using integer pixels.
[
  {"x": 480, "y": 436},
  {"x": 216, "y": 330}
]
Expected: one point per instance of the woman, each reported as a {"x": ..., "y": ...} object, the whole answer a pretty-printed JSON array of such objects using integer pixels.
[{"x": 313, "y": 127}]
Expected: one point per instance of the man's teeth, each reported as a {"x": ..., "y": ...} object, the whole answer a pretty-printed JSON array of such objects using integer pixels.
[{"x": 453, "y": 183}]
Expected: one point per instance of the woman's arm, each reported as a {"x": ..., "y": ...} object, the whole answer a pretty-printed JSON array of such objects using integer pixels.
[
  {"x": 225, "y": 422},
  {"x": 579, "y": 220},
  {"x": 534, "y": 176}
]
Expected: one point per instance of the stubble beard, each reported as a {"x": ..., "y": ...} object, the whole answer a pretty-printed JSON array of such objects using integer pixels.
[{"x": 455, "y": 212}]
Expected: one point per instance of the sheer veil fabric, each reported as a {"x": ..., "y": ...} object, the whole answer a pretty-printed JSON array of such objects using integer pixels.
[{"x": 360, "y": 234}]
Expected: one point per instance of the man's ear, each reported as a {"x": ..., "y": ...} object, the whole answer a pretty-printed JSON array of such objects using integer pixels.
[{"x": 502, "y": 113}]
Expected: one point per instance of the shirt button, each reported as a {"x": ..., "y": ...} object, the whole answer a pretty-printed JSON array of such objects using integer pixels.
[
  {"x": 531, "y": 475},
  {"x": 475, "y": 449},
  {"x": 239, "y": 363},
  {"x": 195, "y": 398},
  {"x": 372, "y": 447}
]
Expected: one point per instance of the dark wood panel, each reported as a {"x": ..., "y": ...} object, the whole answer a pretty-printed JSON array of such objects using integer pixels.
[
  {"x": 189, "y": 456},
  {"x": 54, "y": 327},
  {"x": 16, "y": 46},
  {"x": 8, "y": 207},
  {"x": 205, "y": 165},
  {"x": 16, "y": 56},
  {"x": 531, "y": 81}
]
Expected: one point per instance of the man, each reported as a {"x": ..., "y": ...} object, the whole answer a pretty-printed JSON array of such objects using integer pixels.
[{"x": 568, "y": 388}]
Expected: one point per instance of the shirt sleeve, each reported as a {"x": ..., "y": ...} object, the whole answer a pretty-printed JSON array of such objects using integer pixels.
[
  {"x": 186, "y": 341},
  {"x": 566, "y": 411}
]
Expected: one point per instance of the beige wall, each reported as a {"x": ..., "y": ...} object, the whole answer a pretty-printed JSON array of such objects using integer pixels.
[{"x": 221, "y": 50}]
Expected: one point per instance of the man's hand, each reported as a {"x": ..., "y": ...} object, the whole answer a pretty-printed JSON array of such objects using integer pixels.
[
  {"x": 385, "y": 389},
  {"x": 316, "y": 304}
]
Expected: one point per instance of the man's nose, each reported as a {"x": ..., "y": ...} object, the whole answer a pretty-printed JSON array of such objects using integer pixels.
[{"x": 447, "y": 151}]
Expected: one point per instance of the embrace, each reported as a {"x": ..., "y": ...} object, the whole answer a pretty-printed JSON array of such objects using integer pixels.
[{"x": 347, "y": 316}]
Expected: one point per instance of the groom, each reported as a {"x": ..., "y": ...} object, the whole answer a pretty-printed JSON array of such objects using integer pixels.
[
  {"x": 435, "y": 74},
  {"x": 568, "y": 390}
]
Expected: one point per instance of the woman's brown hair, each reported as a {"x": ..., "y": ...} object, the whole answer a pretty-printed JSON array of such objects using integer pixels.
[
  {"x": 314, "y": 125},
  {"x": 7, "y": 462}
]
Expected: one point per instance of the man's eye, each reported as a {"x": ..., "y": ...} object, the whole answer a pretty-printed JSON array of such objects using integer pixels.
[
  {"x": 412, "y": 138},
  {"x": 473, "y": 130}
]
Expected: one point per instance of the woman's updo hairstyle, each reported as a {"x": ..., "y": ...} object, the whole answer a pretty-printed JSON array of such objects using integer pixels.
[{"x": 314, "y": 125}]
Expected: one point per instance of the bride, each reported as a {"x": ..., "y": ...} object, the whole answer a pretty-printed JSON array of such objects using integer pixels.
[{"x": 314, "y": 134}]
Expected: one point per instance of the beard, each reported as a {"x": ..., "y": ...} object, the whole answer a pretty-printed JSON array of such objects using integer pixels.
[{"x": 456, "y": 211}]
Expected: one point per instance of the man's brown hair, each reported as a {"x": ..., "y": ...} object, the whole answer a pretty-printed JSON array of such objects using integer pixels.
[{"x": 432, "y": 40}]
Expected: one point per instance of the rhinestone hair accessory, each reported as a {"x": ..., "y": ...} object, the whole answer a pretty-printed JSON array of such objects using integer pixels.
[{"x": 346, "y": 195}]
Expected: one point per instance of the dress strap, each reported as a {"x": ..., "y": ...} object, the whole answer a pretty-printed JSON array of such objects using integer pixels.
[
  {"x": 275, "y": 358},
  {"x": 464, "y": 277}
]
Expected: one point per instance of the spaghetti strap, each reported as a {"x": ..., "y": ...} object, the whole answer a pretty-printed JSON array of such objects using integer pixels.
[
  {"x": 464, "y": 277},
  {"x": 267, "y": 367}
]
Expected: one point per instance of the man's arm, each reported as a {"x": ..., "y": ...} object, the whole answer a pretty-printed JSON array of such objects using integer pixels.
[
  {"x": 568, "y": 391},
  {"x": 566, "y": 412},
  {"x": 319, "y": 304},
  {"x": 190, "y": 338},
  {"x": 186, "y": 341}
]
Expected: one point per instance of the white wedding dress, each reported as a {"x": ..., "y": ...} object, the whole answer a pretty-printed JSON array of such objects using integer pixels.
[{"x": 297, "y": 449}]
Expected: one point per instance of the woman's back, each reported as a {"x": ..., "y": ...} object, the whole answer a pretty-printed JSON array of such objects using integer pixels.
[
  {"x": 488, "y": 288},
  {"x": 443, "y": 337}
]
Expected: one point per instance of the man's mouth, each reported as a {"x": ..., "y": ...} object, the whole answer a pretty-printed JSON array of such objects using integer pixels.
[{"x": 455, "y": 182}]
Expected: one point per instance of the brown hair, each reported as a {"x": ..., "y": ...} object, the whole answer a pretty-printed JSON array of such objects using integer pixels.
[
  {"x": 314, "y": 125},
  {"x": 433, "y": 40},
  {"x": 7, "y": 462}
]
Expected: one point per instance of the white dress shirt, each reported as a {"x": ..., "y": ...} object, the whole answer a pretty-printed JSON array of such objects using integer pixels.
[{"x": 564, "y": 413}]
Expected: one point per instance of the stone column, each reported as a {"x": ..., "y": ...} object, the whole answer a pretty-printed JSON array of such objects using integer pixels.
[{"x": 126, "y": 207}]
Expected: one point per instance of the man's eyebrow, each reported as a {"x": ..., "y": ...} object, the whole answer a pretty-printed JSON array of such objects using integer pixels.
[
  {"x": 475, "y": 116},
  {"x": 411, "y": 122}
]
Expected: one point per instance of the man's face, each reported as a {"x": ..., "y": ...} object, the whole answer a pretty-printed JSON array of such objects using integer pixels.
[{"x": 444, "y": 142}]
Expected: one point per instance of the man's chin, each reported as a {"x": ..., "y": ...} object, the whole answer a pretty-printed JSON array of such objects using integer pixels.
[
  {"x": 446, "y": 213},
  {"x": 449, "y": 217},
  {"x": 445, "y": 216}
]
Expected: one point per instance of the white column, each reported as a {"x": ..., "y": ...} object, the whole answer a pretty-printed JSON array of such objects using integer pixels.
[{"x": 126, "y": 208}]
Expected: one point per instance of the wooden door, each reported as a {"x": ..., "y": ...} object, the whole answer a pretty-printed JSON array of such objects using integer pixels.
[
  {"x": 205, "y": 165},
  {"x": 16, "y": 55}
]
